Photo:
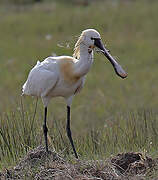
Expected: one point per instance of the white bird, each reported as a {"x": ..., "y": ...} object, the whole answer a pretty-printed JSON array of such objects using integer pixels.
[{"x": 65, "y": 76}]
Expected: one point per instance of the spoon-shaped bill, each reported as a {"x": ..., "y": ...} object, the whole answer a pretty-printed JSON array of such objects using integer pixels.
[{"x": 118, "y": 69}]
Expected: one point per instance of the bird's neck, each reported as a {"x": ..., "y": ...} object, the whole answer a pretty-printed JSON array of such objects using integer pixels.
[{"x": 85, "y": 61}]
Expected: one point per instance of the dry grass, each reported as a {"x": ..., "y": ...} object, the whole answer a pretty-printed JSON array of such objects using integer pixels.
[{"x": 38, "y": 165}]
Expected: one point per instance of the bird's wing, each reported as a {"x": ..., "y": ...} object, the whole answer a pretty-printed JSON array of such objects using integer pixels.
[
  {"x": 40, "y": 81},
  {"x": 49, "y": 82}
]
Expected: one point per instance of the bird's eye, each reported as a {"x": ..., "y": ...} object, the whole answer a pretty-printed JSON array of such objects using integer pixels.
[{"x": 92, "y": 38}]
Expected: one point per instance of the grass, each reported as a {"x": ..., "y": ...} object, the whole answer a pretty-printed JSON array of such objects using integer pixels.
[{"x": 110, "y": 115}]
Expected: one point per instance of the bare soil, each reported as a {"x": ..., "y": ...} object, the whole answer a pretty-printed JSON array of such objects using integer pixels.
[{"x": 38, "y": 165}]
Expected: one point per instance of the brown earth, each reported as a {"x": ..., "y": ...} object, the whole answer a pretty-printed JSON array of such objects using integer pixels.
[{"x": 38, "y": 165}]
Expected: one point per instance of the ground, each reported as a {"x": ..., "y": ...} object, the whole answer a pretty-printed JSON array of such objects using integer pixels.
[{"x": 39, "y": 165}]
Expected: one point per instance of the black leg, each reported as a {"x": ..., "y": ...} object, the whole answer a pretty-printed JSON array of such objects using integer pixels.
[
  {"x": 45, "y": 129},
  {"x": 68, "y": 130}
]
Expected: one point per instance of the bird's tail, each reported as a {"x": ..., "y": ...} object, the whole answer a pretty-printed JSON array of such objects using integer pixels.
[{"x": 25, "y": 87}]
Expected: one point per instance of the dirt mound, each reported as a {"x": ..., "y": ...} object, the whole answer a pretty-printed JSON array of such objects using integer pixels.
[
  {"x": 133, "y": 163},
  {"x": 39, "y": 165}
]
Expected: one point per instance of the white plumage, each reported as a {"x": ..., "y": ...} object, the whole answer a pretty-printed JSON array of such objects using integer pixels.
[
  {"x": 55, "y": 76},
  {"x": 65, "y": 76}
]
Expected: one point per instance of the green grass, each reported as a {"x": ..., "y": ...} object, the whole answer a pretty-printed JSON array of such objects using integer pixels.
[{"x": 110, "y": 115}]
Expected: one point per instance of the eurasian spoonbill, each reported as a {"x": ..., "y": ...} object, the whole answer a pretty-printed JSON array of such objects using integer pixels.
[{"x": 65, "y": 76}]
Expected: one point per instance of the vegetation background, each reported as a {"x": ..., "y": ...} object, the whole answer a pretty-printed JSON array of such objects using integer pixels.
[{"x": 110, "y": 115}]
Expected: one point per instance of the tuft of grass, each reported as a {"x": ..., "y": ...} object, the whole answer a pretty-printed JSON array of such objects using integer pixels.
[{"x": 132, "y": 131}]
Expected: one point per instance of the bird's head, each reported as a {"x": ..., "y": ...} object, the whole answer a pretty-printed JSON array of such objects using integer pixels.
[{"x": 91, "y": 38}]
